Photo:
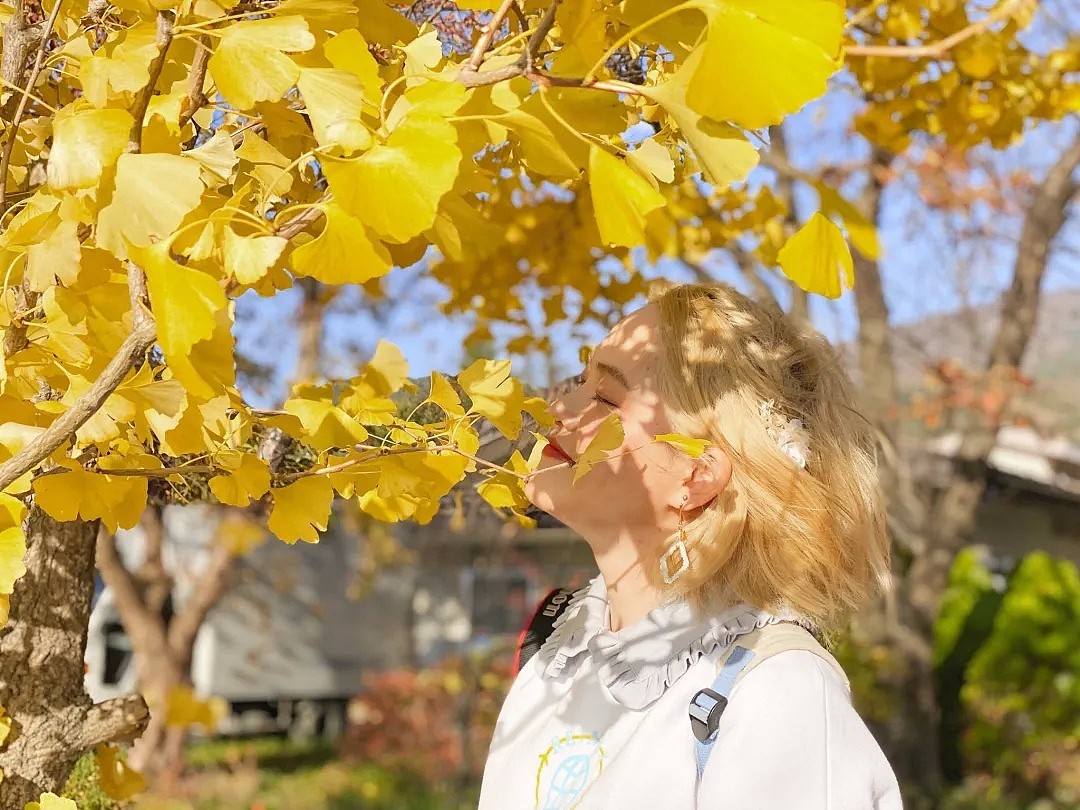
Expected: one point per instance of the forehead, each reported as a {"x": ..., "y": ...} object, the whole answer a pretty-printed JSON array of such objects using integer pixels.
[{"x": 633, "y": 346}]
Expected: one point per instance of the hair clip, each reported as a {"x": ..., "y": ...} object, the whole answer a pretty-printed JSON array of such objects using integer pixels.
[{"x": 790, "y": 435}]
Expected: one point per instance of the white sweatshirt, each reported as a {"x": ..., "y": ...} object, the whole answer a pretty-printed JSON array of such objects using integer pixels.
[{"x": 598, "y": 720}]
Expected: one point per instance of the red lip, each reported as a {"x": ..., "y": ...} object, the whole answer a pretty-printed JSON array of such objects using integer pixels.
[{"x": 553, "y": 450}]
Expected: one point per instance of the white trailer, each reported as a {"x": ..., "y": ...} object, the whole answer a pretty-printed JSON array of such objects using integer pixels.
[{"x": 287, "y": 645}]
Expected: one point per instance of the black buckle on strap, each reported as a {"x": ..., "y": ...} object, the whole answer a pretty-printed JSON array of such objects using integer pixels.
[{"x": 705, "y": 710}]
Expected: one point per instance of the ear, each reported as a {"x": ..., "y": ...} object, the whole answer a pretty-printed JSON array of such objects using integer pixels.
[{"x": 709, "y": 477}]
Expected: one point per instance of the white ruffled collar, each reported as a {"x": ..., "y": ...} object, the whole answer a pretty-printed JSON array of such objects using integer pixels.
[{"x": 639, "y": 663}]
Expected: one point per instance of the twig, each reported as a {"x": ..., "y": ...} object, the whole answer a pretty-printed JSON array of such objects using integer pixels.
[
  {"x": 142, "y": 98},
  {"x": 488, "y": 34},
  {"x": 196, "y": 97},
  {"x": 939, "y": 49},
  {"x": 304, "y": 220},
  {"x": 9, "y": 142}
]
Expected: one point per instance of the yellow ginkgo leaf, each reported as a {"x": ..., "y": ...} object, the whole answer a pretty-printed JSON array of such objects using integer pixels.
[
  {"x": 378, "y": 22},
  {"x": 5, "y": 609},
  {"x": 348, "y": 51},
  {"x": 153, "y": 195},
  {"x": 5, "y": 721},
  {"x": 185, "y": 301},
  {"x": 789, "y": 47},
  {"x": 268, "y": 165},
  {"x": 689, "y": 445},
  {"x": 542, "y": 149},
  {"x": 118, "y": 781},
  {"x": 724, "y": 153},
  {"x": 12, "y": 542},
  {"x": 239, "y": 535},
  {"x": 650, "y": 157},
  {"x": 494, "y": 394},
  {"x": 817, "y": 258},
  {"x": 184, "y": 708},
  {"x": 248, "y": 258},
  {"x": 56, "y": 256},
  {"x": 621, "y": 199},
  {"x": 301, "y": 510},
  {"x": 609, "y": 436},
  {"x": 250, "y": 479},
  {"x": 217, "y": 157},
  {"x": 327, "y": 426},
  {"x": 504, "y": 490},
  {"x": 50, "y": 801},
  {"x": 860, "y": 230},
  {"x": 85, "y": 143},
  {"x": 121, "y": 65},
  {"x": 344, "y": 253},
  {"x": 334, "y": 100},
  {"x": 250, "y": 62},
  {"x": 444, "y": 395},
  {"x": 408, "y": 175},
  {"x": 78, "y": 493},
  {"x": 387, "y": 371}
]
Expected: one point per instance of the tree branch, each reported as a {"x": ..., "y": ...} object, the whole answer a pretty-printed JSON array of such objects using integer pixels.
[
  {"x": 20, "y": 37},
  {"x": 488, "y": 35},
  {"x": 157, "y": 64},
  {"x": 129, "y": 604},
  {"x": 117, "y": 720},
  {"x": 131, "y": 351},
  {"x": 197, "y": 81},
  {"x": 941, "y": 48},
  {"x": 1043, "y": 221},
  {"x": 24, "y": 98},
  {"x": 212, "y": 583}
]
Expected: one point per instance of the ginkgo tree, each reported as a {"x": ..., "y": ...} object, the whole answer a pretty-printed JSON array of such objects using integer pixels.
[{"x": 161, "y": 159}]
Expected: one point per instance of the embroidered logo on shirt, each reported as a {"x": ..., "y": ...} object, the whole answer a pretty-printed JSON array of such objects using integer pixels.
[{"x": 567, "y": 769}]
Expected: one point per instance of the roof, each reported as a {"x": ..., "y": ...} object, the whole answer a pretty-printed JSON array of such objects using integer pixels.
[{"x": 1021, "y": 453}]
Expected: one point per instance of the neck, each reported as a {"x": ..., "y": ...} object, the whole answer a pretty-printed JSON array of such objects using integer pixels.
[{"x": 630, "y": 596}]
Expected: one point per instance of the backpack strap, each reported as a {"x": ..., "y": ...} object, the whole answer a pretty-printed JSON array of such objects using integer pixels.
[
  {"x": 707, "y": 706},
  {"x": 541, "y": 625}
]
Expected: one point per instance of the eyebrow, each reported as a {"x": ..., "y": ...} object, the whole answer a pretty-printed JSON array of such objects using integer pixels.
[{"x": 611, "y": 371}]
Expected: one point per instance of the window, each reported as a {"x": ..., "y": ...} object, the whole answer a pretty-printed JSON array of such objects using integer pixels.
[{"x": 502, "y": 601}]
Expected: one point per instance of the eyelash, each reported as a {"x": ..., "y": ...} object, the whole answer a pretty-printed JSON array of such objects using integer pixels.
[{"x": 580, "y": 380}]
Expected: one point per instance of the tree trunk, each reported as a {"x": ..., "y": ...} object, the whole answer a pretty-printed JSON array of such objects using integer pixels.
[
  {"x": 42, "y": 651},
  {"x": 162, "y": 646},
  {"x": 933, "y": 537}
]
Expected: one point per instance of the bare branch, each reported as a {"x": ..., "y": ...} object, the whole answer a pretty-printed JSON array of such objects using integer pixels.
[
  {"x": 1043, "y": 221},
  {"x": 196, "y": 96},
  {"x": 488, "y": 35},
  {"x": 24, "y": 98},
  {"x": 212, "y": 583},
  {"x": 142, "y": 98},
  {"x": 20, "y": 37},
  {"x": 117, "y": 720},
  {"x": 122, "y": 585}
]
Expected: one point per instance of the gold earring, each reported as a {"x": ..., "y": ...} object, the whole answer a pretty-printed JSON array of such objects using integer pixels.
[{"x": 678, "y": 550}]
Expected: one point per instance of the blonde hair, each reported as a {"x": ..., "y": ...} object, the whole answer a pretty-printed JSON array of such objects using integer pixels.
[{"x": 811, "y": 540}]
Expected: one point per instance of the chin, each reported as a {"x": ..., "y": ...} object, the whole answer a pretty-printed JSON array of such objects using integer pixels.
[{"x": 540, "y": 497}]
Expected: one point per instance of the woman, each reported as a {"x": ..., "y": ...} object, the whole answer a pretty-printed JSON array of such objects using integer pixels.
[{"x": 779, "y": 520}]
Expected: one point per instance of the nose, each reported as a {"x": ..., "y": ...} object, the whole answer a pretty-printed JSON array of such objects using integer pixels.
[{"x": 564, "y": 410}]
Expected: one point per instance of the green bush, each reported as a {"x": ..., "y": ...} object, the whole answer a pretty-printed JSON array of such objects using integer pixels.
[{"x": 1021, "y": 690}]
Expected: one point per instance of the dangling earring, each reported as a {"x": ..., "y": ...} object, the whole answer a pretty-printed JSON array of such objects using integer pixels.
[{"x": 678, "y": 550}]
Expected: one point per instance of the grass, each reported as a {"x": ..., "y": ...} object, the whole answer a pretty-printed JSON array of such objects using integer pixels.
[{"x": 273, "y": 773}]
